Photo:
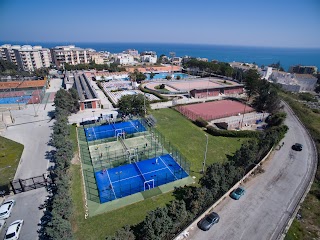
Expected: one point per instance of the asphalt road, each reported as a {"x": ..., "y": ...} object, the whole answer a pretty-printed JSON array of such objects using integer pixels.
[{"x": 270, "y": 197}]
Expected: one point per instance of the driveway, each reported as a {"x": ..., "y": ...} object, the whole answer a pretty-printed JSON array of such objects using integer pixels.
[{"x": 271, "y": 197}]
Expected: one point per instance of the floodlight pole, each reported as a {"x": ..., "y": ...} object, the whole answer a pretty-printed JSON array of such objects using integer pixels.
[{"x": 205, "y": 154}]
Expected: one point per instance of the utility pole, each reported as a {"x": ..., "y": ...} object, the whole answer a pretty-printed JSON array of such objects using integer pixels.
[{"x": 205, "y": 154}]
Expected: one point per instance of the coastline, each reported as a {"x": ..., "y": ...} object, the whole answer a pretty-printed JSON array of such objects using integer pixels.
[{"x": 223, "y": 53}]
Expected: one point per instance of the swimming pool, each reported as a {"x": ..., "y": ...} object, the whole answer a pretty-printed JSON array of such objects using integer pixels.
[
  {"x": 14, "y": 100},
  {"x": 163, "y": 75}
]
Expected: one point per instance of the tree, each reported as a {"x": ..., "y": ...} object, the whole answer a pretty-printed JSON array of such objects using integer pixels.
[
  {"x": 178, "y": 213},
  {"x": 152, "y": 74},
  {"x": 156, "y": 225},
  {"x": 168, "y": 77},
  {"x": 251, "y": 82},
  {"x": 178, "y": 77},
  {"x": 123, "y": 233},
  {"x": 133, "y": 104},
  {"x": 276, "y": 66}
]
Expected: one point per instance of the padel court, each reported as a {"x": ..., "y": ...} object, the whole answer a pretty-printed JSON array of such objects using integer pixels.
[
  {"x": 129, "y": 158},
  {"x": 136, "y": 177}
]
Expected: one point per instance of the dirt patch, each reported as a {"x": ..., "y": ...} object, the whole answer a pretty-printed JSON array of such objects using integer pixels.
[{"x": 76, "y": 159}]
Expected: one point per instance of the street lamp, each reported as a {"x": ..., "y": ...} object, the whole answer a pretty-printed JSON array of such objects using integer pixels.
[{"x": 205, "y": 154}]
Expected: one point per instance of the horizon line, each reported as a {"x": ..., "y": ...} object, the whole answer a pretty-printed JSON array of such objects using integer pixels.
[{"x": 164, "y": 43}]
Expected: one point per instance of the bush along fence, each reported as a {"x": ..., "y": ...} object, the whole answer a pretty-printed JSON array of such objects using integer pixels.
[{"x": 191, "y": 201}]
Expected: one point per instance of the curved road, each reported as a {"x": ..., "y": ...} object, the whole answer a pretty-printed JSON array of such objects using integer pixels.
[{"x": 271, "y": 197}]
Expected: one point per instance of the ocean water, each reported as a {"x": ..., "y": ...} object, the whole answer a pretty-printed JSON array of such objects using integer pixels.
[{"x": 259, "y": 55}]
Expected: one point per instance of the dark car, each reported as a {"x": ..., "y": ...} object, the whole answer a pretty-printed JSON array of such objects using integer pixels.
[
  {"x": 297, "y": 147},
  {"x": 206, "y": 223},
  {"x": 237, "y": 193}
]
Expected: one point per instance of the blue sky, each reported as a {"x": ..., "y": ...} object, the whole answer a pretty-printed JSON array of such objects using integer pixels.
[{"x": 280, "y": 23}]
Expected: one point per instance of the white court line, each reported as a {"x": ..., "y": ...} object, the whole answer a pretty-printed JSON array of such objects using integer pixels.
[
  {"x": 134, "y": 126},
  {"x": 111, "y": 184},
  {"x": 168, "y": 168},
  {"x": 94, "y": 133},
  {"x": 139, "y": 175}
]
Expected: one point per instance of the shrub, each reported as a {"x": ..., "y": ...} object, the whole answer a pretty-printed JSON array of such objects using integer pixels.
[
  {"x": 200, "y": 122},
  {"x": 231, "y": 133}
]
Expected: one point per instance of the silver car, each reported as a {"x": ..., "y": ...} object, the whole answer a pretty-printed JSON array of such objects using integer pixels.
[{"x": 6, "y": 208}]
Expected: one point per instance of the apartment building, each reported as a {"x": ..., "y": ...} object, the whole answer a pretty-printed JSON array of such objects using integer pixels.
[
  {"x": 26, "y": 57},
  {"x": 70, "y": 54},
  {"x": 303, "y": 69},
  {"x": 148, "y": 56},
  {"x": 124, "y": 59}
]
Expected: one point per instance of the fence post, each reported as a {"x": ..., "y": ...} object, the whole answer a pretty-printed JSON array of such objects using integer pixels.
[{"x": 21, "y": 185}]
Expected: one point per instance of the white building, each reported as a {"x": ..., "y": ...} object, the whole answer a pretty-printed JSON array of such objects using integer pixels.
[
  {"x": 70, "y": 54},
  {"x": 124, "y": 59},
  {"x": 265, "y": 72},
  {"x": 26, "y": 57},
  {"x": 149, "y": 57}
]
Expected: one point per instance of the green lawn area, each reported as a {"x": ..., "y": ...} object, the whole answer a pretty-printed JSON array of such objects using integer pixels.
[
  {"x": 187, "y": 138},
  {"x": 10, "y": 154},
  {"x": 190, "y": 140}
]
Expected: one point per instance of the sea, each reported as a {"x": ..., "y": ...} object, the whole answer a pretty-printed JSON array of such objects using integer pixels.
[{"x": 259, "y": 55}]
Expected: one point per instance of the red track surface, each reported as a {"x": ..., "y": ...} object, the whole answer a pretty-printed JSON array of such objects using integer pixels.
[{"x": 214, "y": 110}]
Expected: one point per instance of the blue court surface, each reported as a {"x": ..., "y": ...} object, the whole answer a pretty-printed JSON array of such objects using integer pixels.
[
  {"x": 136, "y": 177},
  {"x": 14, "y": 100},
  {"x": 111, "y": 130}
]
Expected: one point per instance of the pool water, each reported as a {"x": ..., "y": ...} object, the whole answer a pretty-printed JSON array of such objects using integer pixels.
[{"x": 164, "y": 74}]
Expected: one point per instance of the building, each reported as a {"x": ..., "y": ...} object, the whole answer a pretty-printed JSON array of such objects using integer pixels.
[
  {"x": 88, "y": 96},
  {"x": 26, "y": 57},
  {"x": 243, "y": 66},
  {"x": 132, "y": 52},
  {"x": 149, "y": 57},
  {"x": 303, "y": 69},
  {"x": 7, "y": 53},
  {"x": 71, "y": 55},
  {"x": 294, "y": 82},
  {"x": 124, "y": 59},
  {"x": 98, "y": 58},
  {"x": 265, "y": 72}
]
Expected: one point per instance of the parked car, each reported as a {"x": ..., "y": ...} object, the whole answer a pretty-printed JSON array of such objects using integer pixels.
[
  {"x": 6, "y": 208},
  {"x": 297, "y": 147},
  {"x": 14, "y": 230},
  {"x": 208, "y": 221},
  {"x": 237, "y": 193}
]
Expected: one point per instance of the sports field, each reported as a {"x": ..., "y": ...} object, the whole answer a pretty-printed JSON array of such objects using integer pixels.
[
  {"x": 129, "y": 163},
  {"x": 214, "y": 110}
]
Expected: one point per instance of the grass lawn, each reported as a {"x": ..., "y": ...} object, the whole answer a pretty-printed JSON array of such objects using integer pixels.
[
  {"x": 10, "y": 154},
  {"x": 190, "y": 140},
  {"x": 309, "y": 226}
]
